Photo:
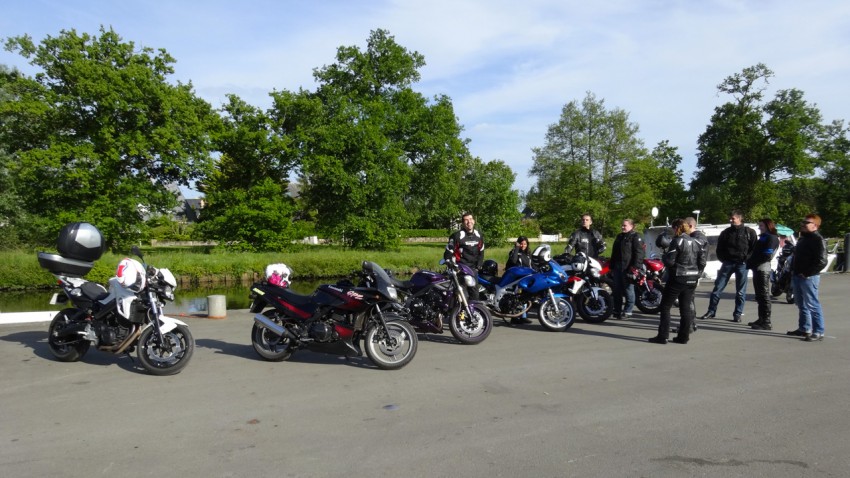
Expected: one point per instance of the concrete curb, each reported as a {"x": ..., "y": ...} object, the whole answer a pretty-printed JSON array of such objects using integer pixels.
[{"x": 26, "y": 317}]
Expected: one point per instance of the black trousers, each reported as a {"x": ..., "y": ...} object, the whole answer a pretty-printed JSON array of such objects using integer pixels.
[
  {"x": 673, "y": 290},
  {"x": 761, "y": 281}
]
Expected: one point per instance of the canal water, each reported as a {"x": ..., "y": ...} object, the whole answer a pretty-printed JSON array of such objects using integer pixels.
[{"x": 187, "y": 300}]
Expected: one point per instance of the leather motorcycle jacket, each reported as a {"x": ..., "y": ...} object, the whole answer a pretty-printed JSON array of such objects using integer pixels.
[
  {"x": 466, "y": 248},
  {"x": 584, "y": 240},
  {"x": 628, "y": 251},
  {"x": 735, "y": 244},
  {"x": 685, "y": 259}
]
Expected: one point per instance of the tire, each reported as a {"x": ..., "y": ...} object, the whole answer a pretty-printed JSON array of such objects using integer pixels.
[
  {"x": 596, "y": 310},
  {"x": 395, "y": 351},
  {"x": 789, "y": 296},
  {"x": 158, "y": 360},
  {"x": 552, "y": 322},
  {"x": 269, "y": 345},
  {"x": 649, "y": 301},
  {"x": 65, "y": 352},
  {"x": 471, "y": 330}
]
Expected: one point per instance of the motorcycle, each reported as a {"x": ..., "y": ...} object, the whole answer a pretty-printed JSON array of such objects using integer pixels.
[
  {"x": 127, "y": 316},
  {"x": 593, "y": 301},
  {"x": 513, "y": 294},
  {"x": 334, "y": 319},
  {"x": 433, "y": 298},
  {"x": 780, "y": 279},
  {"x": 649, "y": 286}
]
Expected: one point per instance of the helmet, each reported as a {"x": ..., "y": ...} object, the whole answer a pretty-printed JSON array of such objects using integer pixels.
[
  {"x": 490, "y": 268},
  {"x": 542, "y": 255},
  {"x": 579, "y": 262},
  {"x": 663, "y": 240},
  {"x": 131, "y": 274},
  {"x": 278, "y": 274}
]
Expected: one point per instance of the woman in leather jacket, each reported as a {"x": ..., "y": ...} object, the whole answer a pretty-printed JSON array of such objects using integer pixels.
[{"x": 684, "y": 259}]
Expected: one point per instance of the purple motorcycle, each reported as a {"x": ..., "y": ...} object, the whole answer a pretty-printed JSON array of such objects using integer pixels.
[{"x": 435, "y": 298}]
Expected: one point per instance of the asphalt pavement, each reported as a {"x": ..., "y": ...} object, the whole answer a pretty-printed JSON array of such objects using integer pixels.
[{"x": 596, "y": 400}]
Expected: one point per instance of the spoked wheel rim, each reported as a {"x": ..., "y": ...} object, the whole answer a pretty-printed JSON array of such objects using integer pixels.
[{"x": 165, "y": 357}]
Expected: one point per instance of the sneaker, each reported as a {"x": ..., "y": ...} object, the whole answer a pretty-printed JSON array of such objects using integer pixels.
[
  {"x": 626, "y": 316},
  {"x": 736, "y": 318},
  {"x": 708, "y": 315},
  {"x": 813, "y": 337},
  {"x": 657, "y": 340},
  {"x": 797, "y": 333}
]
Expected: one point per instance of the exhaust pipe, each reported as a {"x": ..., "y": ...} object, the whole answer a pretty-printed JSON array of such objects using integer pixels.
[{"x": 277, "y": 329}]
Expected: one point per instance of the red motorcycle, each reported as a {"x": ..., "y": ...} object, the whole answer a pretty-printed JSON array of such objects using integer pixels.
[
  {"x": 334, "y": 319},
  {"x": 649, "y": 286}
]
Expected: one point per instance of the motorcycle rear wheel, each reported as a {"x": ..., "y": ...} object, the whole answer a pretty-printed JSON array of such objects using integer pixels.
[
  {"x": 471, "y": 330},
  {"x": 65, "y": 352},
  {"x": 649, "y": 301},
  {"x": 596, "y": 310},
  {"x": 269, "y": 345},
  {"x": 170, "y": 360},
  {"x": 556, "y": 321},
  {"x": 394, "y": 351}
]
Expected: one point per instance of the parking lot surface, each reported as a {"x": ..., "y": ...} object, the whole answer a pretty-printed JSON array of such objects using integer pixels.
[{"x": 596, "y": 400}]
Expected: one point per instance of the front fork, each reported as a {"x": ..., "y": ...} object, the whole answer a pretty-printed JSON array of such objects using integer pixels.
[{"x": 554, "y": 300}]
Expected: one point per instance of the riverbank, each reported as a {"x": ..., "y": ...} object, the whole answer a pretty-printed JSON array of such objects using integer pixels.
[{"x": 196, "y": 267}]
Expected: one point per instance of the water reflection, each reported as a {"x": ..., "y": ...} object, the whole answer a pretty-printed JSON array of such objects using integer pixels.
[{"x": 187, "y": 300}]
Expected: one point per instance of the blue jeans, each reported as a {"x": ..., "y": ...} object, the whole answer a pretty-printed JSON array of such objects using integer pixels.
[
  {"x": 723, "y": 276},
  {"x": 622, "y": 287},
  {"x": 806, "y": 298}
]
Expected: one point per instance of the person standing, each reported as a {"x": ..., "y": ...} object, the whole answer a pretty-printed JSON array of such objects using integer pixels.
[
  {"x": 809, "y": 259},
  {"x": 466, "y": 246},
  {"x": 587, "y": 240},
  {"x": 518, "y": 257},
  {"x": 626, "y": 254},
  {"x": 759, "y": 262},
  {"x": 734, "y": 247},
  {"x": 685, "y": 258}
]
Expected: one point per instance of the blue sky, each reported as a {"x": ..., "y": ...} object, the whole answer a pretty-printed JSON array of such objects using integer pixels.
[{"x": 509, "y": 67}]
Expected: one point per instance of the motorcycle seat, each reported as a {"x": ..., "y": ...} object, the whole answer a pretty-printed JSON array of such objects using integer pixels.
[
  {"x": 93, "y": 291},
  {"x": 399, "y": 284}
]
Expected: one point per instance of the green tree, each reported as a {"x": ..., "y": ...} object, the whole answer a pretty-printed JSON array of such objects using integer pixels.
[
  {"x": 99, "y": 134},
  {"x": 750, "y": 146},
  {"x": 582, "y": 167},
  {"x": 833, "y": 197},
  {"x": 492, "y": 200},
  {"x": 247, "y": 202},
  {"x": 373, "y": 152}
]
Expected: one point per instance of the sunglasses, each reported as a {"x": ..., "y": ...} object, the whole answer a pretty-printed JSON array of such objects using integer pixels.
[{"x": 806, "y": 222}]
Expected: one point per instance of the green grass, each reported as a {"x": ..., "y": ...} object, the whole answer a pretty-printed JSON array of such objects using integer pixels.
[{"x": 20, "y": 269}]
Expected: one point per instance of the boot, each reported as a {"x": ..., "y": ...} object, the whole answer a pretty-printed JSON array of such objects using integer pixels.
[
  {"x": 756, "y": 323},
  {"x": 764, "y": 325}
]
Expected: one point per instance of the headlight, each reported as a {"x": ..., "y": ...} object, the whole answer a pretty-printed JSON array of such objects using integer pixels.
[
  {"x": 469, "y": 281},
  {"x": 392, "y": 293},
  {"x": 168, "y": 293},
  {"x": 594, "y": 273}
]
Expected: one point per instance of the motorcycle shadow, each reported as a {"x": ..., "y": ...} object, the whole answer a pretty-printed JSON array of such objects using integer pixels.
[
  {"x": 651, "y": 322},
  {"x": 302, "y": 356},
  {"x": 37, "y": 341},
  {"x": 437, "y": 338}
]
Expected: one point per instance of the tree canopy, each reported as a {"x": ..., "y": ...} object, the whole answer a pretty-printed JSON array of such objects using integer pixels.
[{"x": 99, "y": 134}]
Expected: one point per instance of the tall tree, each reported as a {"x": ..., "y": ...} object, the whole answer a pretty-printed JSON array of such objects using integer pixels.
[
  {"x": 750, "y": 145},
  {"x": 374, "y": 148},
  {"x": 492, "y": 199},
  {"x": 99, "y": 134},
  {"x": 582, "y": 166}
]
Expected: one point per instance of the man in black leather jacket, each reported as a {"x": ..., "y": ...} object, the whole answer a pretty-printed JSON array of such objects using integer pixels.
[
  {"x": 734, "y": 247},
  {"x": 627, "y": 253},
  {"x": 466, "y": 246},
  {"x": 585, "y": 239},
  {"x": 809, "y": 259}
]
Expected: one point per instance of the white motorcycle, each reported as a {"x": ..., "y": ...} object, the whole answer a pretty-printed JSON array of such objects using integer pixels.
[{"x": 126, "y": 317}]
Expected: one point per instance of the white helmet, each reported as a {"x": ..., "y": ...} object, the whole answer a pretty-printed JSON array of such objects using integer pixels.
[
  {"x": 278, "y": 274},
  {"x": 131, "y": 274},
  {"x": 542, "y": 255}
]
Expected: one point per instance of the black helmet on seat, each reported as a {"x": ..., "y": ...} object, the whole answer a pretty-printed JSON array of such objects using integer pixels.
[{"x": 490, "y": 268}]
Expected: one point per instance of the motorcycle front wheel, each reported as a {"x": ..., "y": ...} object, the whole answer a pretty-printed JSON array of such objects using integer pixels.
[
  {"x": 393, "y": 350},
  {"x": 471, "y": 329},
  {"x": 649, "y": 301},
  {"x": 269, "y": 345},
  {"x": 553, "y": 320},
  {"x": 595, "y": 310},
  {"x": 62, "y": 350},
  {"x": 166, "y": 358}
]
